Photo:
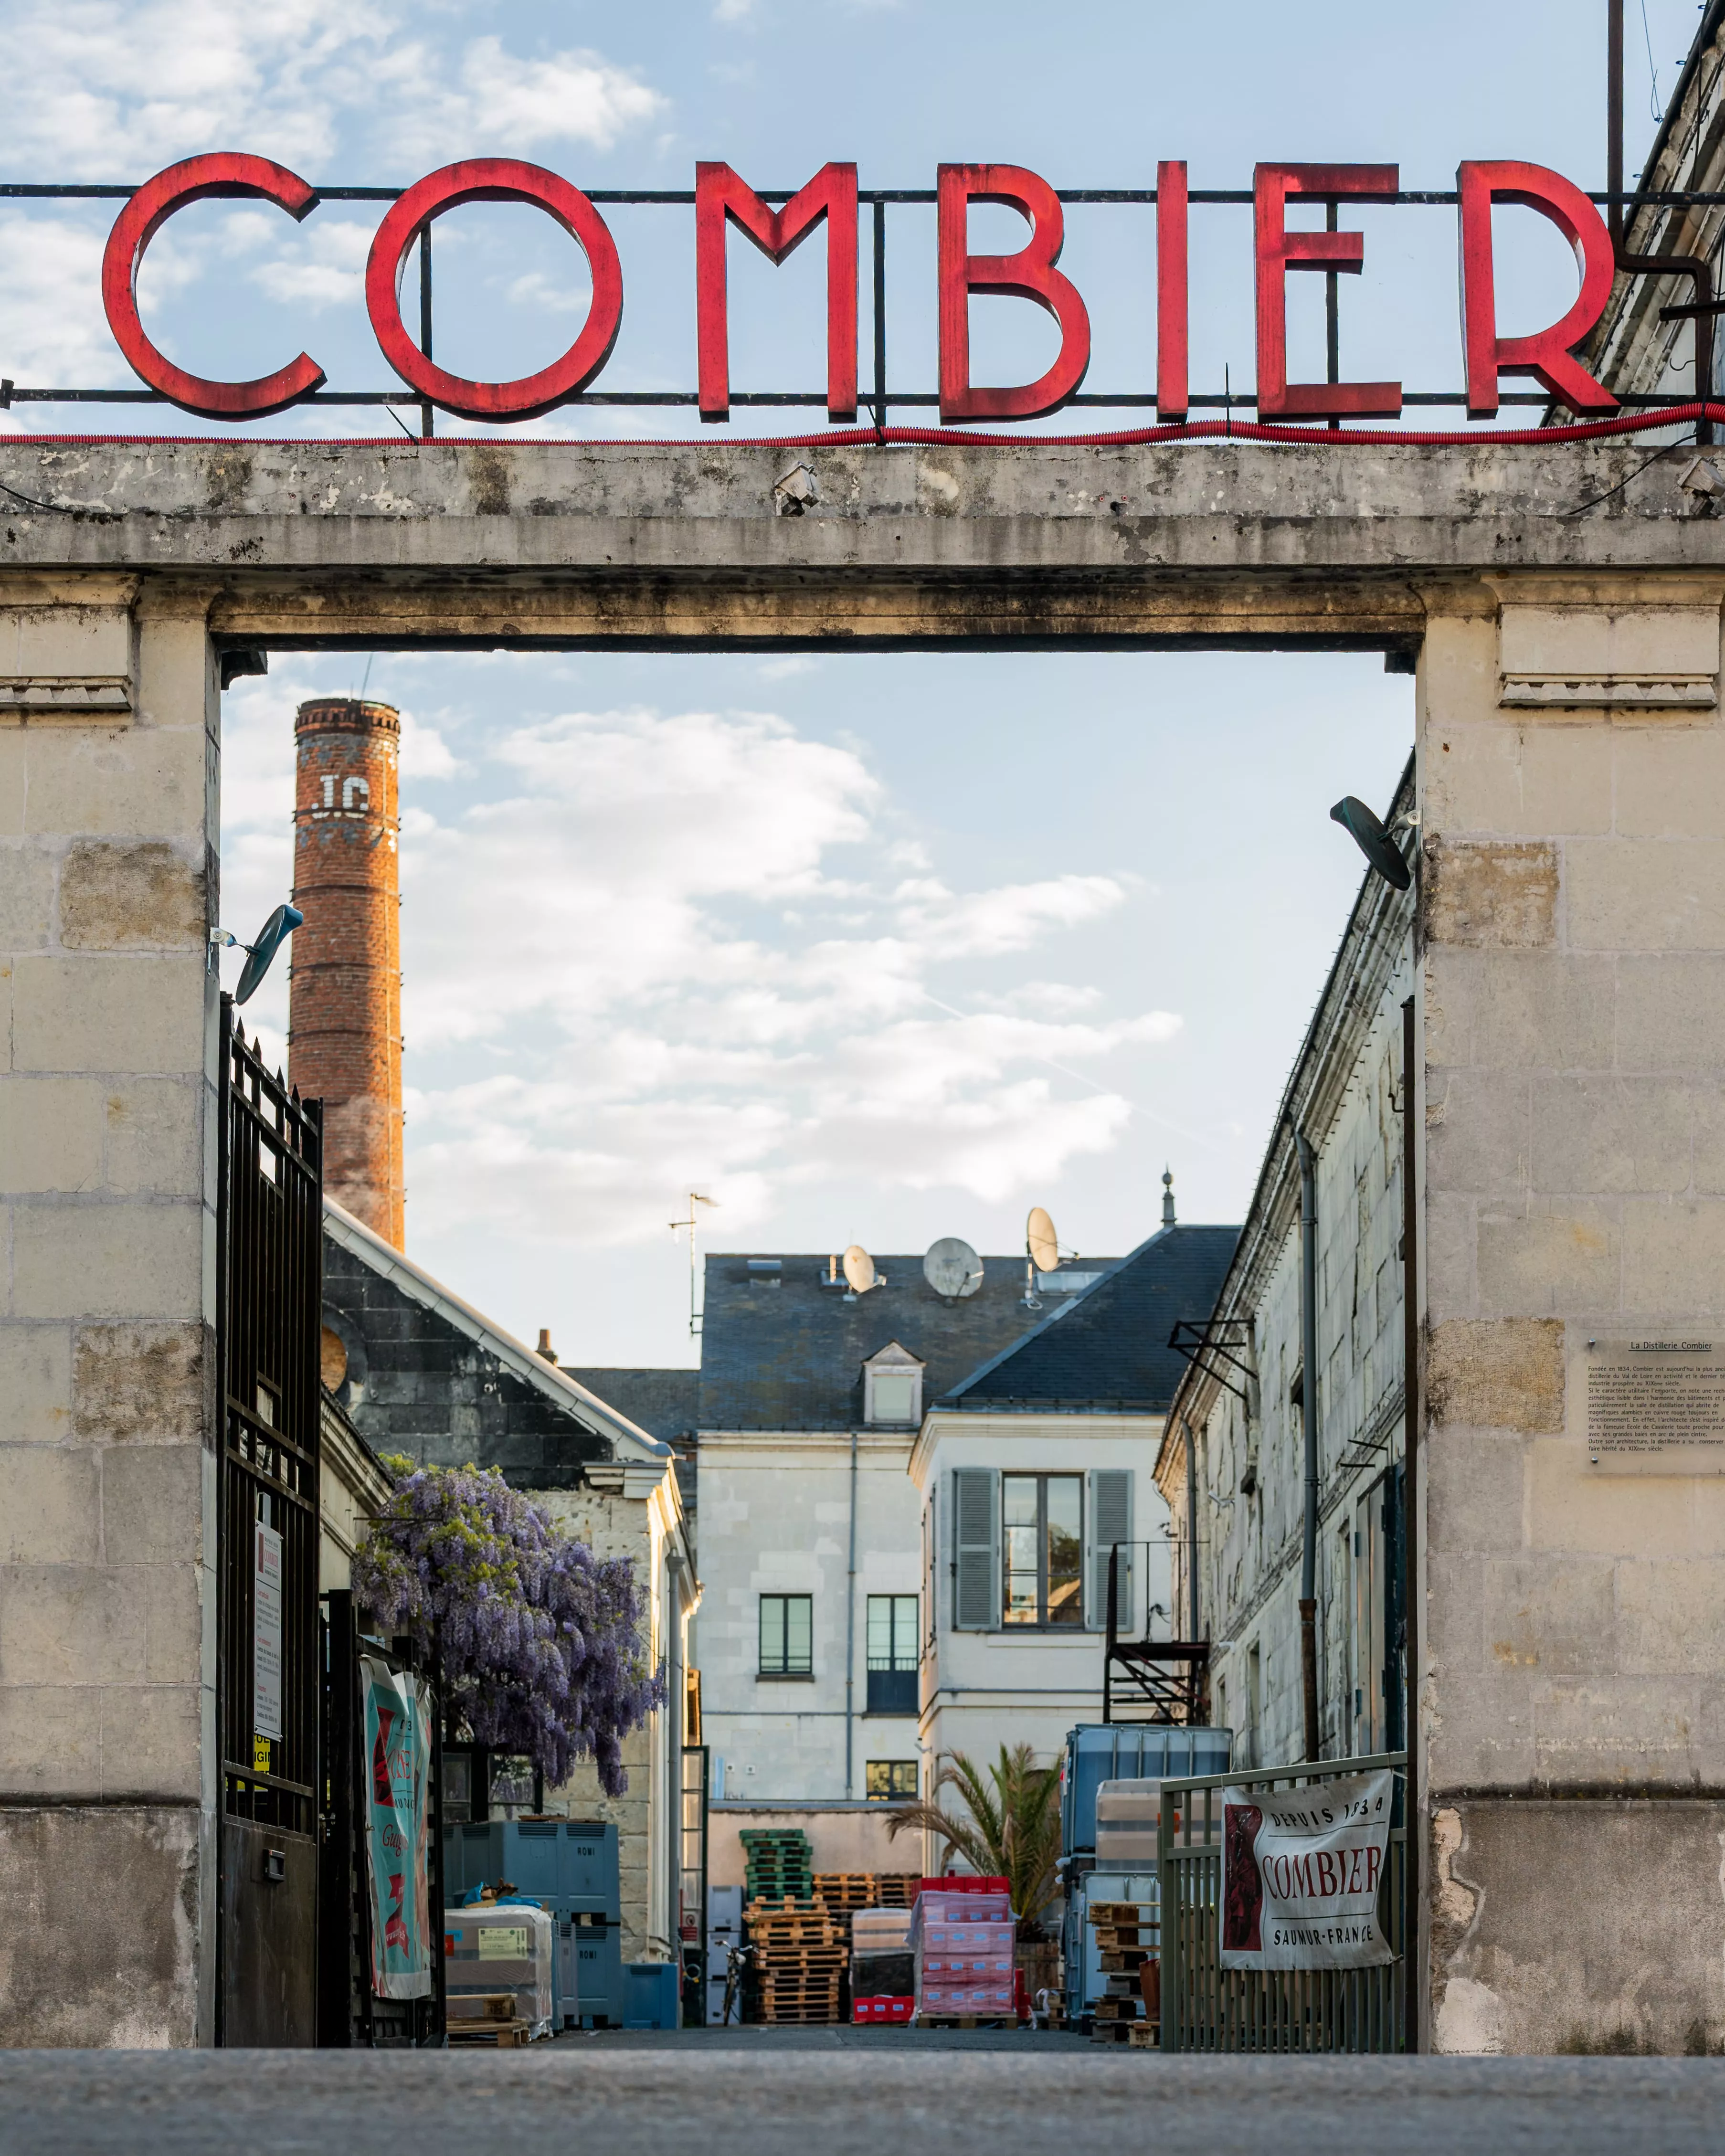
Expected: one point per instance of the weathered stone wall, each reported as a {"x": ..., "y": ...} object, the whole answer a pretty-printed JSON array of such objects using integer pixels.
[
  {"x": 614, "y": 1525},
  {"x": 1573, "y": 770},
  {"x": 107, "y": 793}
]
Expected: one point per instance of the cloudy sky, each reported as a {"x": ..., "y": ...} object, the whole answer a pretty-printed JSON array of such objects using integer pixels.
[{"x": 871, "y": 949}]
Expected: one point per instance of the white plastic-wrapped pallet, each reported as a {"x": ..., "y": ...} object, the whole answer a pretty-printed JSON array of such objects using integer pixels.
[{"x": 503, "y": 1946}]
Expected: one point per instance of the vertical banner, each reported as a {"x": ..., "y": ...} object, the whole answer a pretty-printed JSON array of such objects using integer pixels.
[
  {"x": 266, "y": 1632},
  {"x": 398, "y": 1735},
  {"x": 1301, "y": 1872}
]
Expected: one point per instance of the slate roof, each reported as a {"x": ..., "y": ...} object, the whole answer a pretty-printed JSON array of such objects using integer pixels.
[
  {"x": 430, "y": 1376},
  {"x": 1107, "y": 1349},
  {"x": 664, "y": 1403},
  {"x": 780, "y": 1350}
]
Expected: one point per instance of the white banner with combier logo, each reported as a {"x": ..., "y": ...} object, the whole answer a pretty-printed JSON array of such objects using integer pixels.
[{"x": 1302, "y": 1870}]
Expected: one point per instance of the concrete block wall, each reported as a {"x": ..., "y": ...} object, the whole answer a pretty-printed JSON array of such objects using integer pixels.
[
  {"x": 107, "y": 1145},
  {"x": 1572, "y": 756}
]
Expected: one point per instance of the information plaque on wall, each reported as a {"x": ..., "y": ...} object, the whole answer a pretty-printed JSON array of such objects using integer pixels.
[{"x": 1655, "y": 1407}]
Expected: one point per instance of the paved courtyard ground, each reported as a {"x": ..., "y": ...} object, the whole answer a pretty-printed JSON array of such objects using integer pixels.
[{"x": 826, "y": 2093}]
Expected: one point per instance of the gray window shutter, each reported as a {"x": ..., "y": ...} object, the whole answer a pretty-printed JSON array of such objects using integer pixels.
[
  {"x": 1108, "y": 1519},
  {"x": 976, "y": 1549}
]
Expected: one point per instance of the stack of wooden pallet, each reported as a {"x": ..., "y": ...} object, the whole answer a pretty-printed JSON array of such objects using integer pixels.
[
  {"x": 779, "y": 1865},
  {"x": 486, "y": 2019},
  {"x": 1127, "y": 1938},
  {"x": 844, "y": 1892},
  {"x": 801, "y": 1951}
]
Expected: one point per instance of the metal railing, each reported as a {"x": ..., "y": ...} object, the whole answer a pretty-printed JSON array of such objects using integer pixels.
[
  {"x": 1206, "y": 2008},
  {"x": 1148, "y": 1672},
  {"x": 877, "y": 398}
]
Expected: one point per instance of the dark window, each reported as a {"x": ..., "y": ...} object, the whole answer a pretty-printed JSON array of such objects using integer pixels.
[
  {"x": 1042, "y": 1517},
  {"x": 892, "y": 1654},
  {"x": 888, "y": 1779},
  {"x": 787, "y": 1635}
]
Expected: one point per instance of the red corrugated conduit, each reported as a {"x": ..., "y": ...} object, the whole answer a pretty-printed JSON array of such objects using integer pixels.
[{"x": 841, "y": 438}]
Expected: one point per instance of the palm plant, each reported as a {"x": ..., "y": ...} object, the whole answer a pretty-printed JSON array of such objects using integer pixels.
[{"x": 1013, "y": 1830}]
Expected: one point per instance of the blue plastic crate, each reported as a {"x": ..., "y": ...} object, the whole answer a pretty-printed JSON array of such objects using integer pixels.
[{"x": 650, "y": 1996}]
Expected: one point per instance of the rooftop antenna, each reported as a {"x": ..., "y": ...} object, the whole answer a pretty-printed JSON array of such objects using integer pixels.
[
  {"x": 691, "y": 1224},
  {"x": 953, "y": 1268},
  {"x": 1042, "y": 1253},
  {"x": 858, "y": 1271}
]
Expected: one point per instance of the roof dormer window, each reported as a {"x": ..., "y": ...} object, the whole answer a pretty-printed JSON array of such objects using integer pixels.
[{"x": 892, "y": 1387}]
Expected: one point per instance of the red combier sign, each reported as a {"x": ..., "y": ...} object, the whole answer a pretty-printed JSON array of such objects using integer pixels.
[{"x": 722, "y": 199}]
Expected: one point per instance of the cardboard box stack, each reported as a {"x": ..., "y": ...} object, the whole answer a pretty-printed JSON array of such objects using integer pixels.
[
  {"x": 963, "y": 1934},
  {"x": 494, "y": 1950}
]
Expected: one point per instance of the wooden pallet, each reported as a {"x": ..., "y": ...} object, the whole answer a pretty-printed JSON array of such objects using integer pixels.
[
  {"x": 1124, "y": 1961},
  {"x": 1144, "y": 2036},
  {"x": 849, "y": 1891},
  {"x": 493, "y": 2036},
  {"x": 466, "y": 2006},
  {"x": 1128, "y": 1915}
]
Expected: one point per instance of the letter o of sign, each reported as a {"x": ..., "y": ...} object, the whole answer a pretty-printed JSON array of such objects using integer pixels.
[
  {"x": 226, "y": 174},
  {"x": 495, "y": 179}
]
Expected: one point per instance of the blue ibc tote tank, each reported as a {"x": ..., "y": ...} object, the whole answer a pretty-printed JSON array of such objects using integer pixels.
[{"x": 1098, "y": 1752}]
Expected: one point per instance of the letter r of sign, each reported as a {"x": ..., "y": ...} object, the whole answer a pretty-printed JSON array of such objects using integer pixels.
[
  {"x": 721, "y": 199},
  {"x": 1549, "y": 355}
]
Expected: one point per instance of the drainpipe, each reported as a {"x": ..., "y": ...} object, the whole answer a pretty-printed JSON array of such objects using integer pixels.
[
  {"x": 1308, "y": 1416},
  {"x": 1191, "y": 1528},
  {"x": 850, "y": 1632}
]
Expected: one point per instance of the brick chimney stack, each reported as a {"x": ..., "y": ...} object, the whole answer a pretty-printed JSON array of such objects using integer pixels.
[{"x": 344, "y": 1039}]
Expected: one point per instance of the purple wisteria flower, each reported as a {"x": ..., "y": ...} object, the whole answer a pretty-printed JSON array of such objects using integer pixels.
[{"x": 541, "y": 1642}]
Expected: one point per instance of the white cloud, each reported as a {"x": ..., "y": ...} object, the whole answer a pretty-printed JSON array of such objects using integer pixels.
[
  {"x": 663, "y": 928},
  {"x": 52, "y": 332},
  {"x": 735, "y": 10},
  {"x": 987, "y": 923},
  {"x": 117, "y": 88},
  {"x": 331, "y": 268},
  {"x": 560, "y": 296}
]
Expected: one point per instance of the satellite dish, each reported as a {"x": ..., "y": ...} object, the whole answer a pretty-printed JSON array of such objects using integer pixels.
[
  {"x": 951, "y": 1267},
  {"x": 274, "y": 933},
  {"x": 1374, "y": 841},
  {"x": 859, "y": 1268},
  {"x": 1041, "y": 1241}
]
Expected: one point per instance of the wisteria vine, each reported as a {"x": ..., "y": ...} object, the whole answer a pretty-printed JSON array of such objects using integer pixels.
[{"x": 541, "y": 1642}]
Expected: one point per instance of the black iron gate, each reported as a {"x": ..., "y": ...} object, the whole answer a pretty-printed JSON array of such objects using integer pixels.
[{"x": 270, "y": 1260}]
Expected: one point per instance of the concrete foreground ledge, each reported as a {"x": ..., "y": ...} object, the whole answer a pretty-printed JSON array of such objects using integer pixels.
[{"x": 680, "y": 2091}]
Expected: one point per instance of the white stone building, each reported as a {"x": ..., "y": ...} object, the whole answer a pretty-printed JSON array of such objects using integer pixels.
[
  {"x": 1027, "y": 1473},
  {"x": 1241, "y": 1406}
]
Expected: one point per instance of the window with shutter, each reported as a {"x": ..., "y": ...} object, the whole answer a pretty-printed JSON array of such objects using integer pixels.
[
  {"x": 1111, "y": 1522},
  {"x": 976, "y": 1549}
]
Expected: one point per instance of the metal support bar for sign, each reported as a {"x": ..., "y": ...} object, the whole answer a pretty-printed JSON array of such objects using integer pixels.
[
  {"x": 881, "y": 400},
  {"x": 426, "y": 423}
]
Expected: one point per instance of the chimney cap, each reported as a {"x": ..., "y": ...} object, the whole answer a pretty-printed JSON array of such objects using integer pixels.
[
  {"x": 545, "y": 1350},
  {"x": 351, "y": 714}
]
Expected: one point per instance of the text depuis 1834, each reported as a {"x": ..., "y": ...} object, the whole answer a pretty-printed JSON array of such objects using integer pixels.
[{"x": 1655, "y": 1407}]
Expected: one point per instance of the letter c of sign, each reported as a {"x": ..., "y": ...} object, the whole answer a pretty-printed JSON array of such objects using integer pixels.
[
  {"x": 226, "y": 174},
  {"x": 495, "y": 179}
]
